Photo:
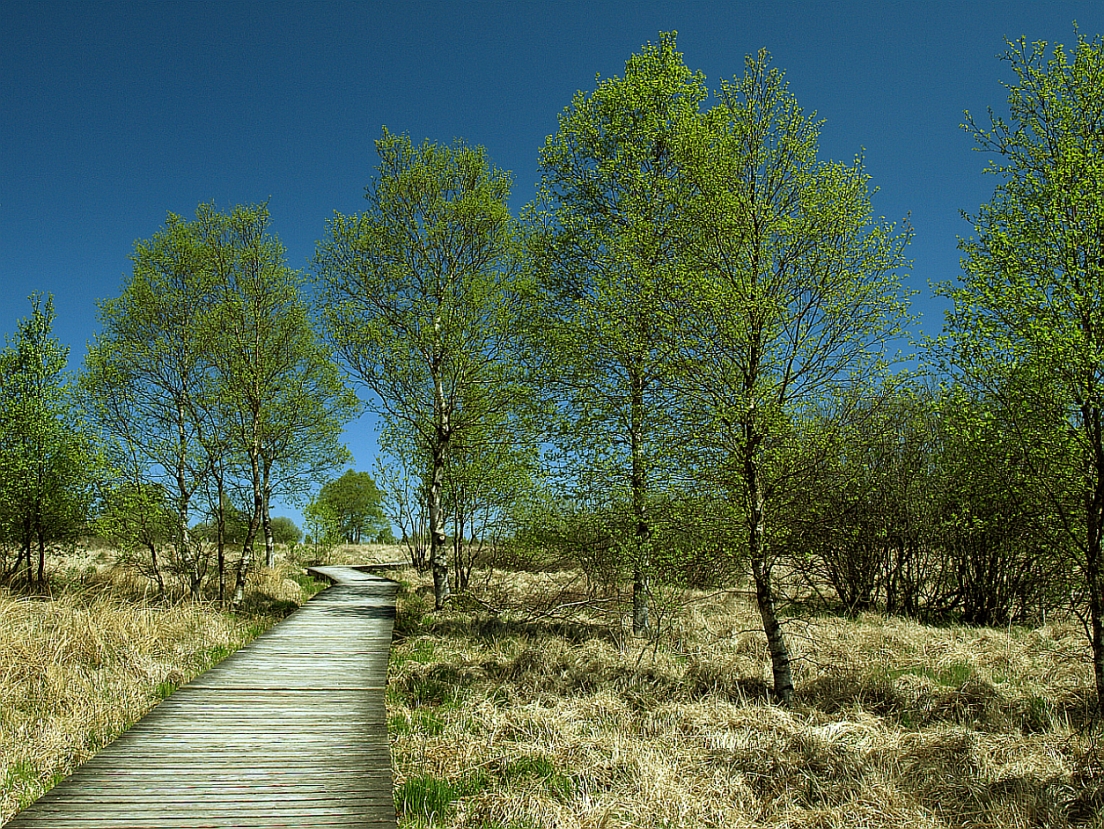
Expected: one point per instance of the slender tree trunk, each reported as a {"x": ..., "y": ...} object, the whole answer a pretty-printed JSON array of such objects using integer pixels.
[
  {"x": 183, "y": 544},
  {"x": 641, "y": 562},
  {"x": 246, "y": 562},
  {"x": 761, "y": 572},
  {"x": 25, "y": 553},
  {"x": 1094, "y": 507},
  {"x": 183, "y": 502},
  {"x": 461, "y": 562},
  {"x": 266, "y": 516},
  {"x": 419, "y": 515},
  {"x": 13, "y": 571},
  {"x": 156, "y": 568},
  {"x": 457, "y": 552},
  {"x": 1096, "y": 613},
  {"x": 41, "y": 560},
  {"x": 438, "y": 547},
  {"x": 220, "y": 538},
  {"x": 270, "y": 542}
]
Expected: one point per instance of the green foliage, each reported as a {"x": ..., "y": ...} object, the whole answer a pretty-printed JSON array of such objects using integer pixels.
[
  {"x": 1029, "y": 307},
  {"x": 406, "y": 500},
  {"x": 147, "y": 373},
  {"x": 235, "y": 523},
  {"x": 48, "y": 465},
  {"x": 347, "y": 509},
  {"x": 207, "y": 377},
  {"x": 285, "y": 531},
  {"x": 792, "y": 289},
  {"x": 135, "y": 516},
  {"x": 788, "y": 297},
  {"x": 138, "y": 520},
  {"x": 273, "y": 370},
  {"x": 591, "y": 537},
  {"x": 1030, "y": 297},
  {"x": 278, "y": 394},
  {"x": 413, "y": 288},
  {"x": 1007, "y": 554},
  {"x": 416, "y": 294},
  {"x": 486, "y": 478},
  {"x": 605, "y": 243}
]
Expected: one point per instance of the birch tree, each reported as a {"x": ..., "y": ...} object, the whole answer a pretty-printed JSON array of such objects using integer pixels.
[
  {"x": 283, "y": 401},
  {"x": 47, "y": 463},
  {"x": 147, "y": 370},
  {"x": 605, "y": 244},
  {"x": 790, "y": 297},
  {"x": 1029, "y": 305},
  {"x": 416, "y": 295},
  {"x": 207, "y": 371}
]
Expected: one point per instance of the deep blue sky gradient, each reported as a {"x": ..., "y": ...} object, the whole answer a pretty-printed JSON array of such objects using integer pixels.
[{"x": 113, "y": 114}]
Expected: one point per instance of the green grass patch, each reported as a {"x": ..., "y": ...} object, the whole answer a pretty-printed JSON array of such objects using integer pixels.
[
  {"x": 308, "y": 583},
  {"x": 411, "y": 611},
  {"x": 954, "y": 675},
  {"x": 214, "y": 655},
  {"x": 254, "y": 629},
  {"x": 1040, "y": 715},
  {"x": 429, "y": 690},
  {"x": 539, "y": 770},
  {"x": 421, "y": 721},
  {"x": 23, "y": 775},
  {"x": 421, "y": 651},
  {"x": 425, "y": 797},
  {"x": 164, "y": 690}
]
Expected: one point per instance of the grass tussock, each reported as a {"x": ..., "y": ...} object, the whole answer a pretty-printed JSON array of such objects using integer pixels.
[
  {"x": 79, "y": 667},
  {"x": 537, "y": 718}
]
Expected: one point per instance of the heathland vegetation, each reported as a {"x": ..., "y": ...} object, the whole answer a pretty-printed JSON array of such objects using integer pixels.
[{"x": 702, "y": 551}]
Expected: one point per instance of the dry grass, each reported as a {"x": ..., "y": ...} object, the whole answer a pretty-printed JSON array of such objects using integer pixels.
[
  {"x": 78, "y": 669},
  {"x": 563, "y": 721},
  {"x": 352, "y": 554},
  {"x": 558, "y": 718}
]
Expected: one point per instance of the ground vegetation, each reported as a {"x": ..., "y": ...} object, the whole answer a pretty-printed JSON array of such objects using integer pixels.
[{"x": 536, "y": 707}]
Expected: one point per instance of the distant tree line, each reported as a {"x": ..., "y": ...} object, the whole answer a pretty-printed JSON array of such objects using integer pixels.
[{"x": 676, "y": 366}]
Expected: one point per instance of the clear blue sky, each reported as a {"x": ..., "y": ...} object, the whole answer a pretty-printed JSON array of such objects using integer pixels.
[{"x": 114, "y": 113}]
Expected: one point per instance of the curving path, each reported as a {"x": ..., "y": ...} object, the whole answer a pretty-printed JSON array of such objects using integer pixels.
[{"x": 289, "y": 731}]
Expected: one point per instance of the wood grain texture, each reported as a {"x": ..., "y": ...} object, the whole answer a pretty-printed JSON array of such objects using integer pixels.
[{"x": 289, "y": 731}]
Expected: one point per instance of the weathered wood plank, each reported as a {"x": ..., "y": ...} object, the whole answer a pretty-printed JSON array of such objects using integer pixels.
[{"x": 287, "y": 732}]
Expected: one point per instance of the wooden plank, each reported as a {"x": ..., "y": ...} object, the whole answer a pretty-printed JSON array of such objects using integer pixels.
[{"x": 289, "y": 731}]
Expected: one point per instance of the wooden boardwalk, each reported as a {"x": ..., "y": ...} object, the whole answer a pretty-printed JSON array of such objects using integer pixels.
[{"x": 290, "y": 731}]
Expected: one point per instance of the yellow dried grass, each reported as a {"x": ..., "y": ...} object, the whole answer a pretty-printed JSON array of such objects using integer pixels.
[{"x": 897, "y": 723}]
